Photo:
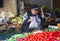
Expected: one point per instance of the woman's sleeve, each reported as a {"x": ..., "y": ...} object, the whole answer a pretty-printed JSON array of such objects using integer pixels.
[
  {"x": 25, "y": 25},
  {"x": 25, "y": 18}
]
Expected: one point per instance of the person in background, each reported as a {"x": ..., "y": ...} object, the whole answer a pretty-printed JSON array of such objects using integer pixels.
[
  {"x": 1, "y": 19},
  {"x": 5, "y": 19},
  {"x": 27, "y": 19},
  {"x": 51, "y": 17}
]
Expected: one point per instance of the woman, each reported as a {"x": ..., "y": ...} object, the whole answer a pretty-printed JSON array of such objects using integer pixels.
[{"x": 27, "y": 19}]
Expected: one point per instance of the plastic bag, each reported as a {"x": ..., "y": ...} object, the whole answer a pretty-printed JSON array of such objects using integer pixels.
[{"x": 33, "y": 24}]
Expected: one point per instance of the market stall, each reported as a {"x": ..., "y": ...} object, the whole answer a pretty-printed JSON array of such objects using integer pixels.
[{"x": 11, "y": 22}]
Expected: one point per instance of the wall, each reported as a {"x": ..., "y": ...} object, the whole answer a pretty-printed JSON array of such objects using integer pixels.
[
  {"x": 40, "y": 2},
  {"x": 9, "y": 5},
  {"x": 56, "y": 3}
]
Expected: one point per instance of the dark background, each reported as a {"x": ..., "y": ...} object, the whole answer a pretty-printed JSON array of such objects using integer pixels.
[
  {"x": 1, "y": 3},
  {"x": 56, "y": 3}
]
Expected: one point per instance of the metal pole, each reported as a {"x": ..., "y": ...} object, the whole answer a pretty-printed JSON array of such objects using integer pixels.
[
  {"x": 52, "y": 4},
  {"x": 18, "y": 9}
]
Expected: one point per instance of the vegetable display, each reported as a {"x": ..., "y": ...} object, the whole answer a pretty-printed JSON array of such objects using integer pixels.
[
  {"x": 44, "y": 36},
  {"x": 18, "y": 19}
]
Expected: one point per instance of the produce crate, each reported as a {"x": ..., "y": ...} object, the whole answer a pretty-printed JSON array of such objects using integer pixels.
[{"x": 18, "y": 27}]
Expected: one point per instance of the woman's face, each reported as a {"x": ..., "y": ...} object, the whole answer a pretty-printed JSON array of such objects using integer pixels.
[{"x": 34, "y": 11}]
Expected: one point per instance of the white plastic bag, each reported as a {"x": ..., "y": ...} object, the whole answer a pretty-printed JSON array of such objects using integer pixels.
[{"x": 33, "y": 24}]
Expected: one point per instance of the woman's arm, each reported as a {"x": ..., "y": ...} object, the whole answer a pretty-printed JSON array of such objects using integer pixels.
[
  {"x": 42, "y": 13},
  {"x": 27, "y": 18}
]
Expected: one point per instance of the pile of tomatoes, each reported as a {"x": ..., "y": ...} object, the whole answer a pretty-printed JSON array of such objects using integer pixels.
[{"x": 44, "y": 36}]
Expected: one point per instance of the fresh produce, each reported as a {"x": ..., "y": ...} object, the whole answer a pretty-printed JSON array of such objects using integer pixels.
[
  {"x": 1, "y": 28},
  {"x": 45, "y": 36},
  {"x": 37, "y": 31},
  {"x": 18, "y": 19},
  {"x": 18, "y": 36},
  {"x": 49, "y": 29},
  {"x": 19, "y": 39}
]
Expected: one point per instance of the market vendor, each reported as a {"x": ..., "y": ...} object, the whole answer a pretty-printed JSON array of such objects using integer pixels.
[{"x": 28, "y": 18}]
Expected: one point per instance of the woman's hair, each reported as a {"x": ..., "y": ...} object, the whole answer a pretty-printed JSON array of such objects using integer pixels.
[{"x": 36, "y": 7}]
